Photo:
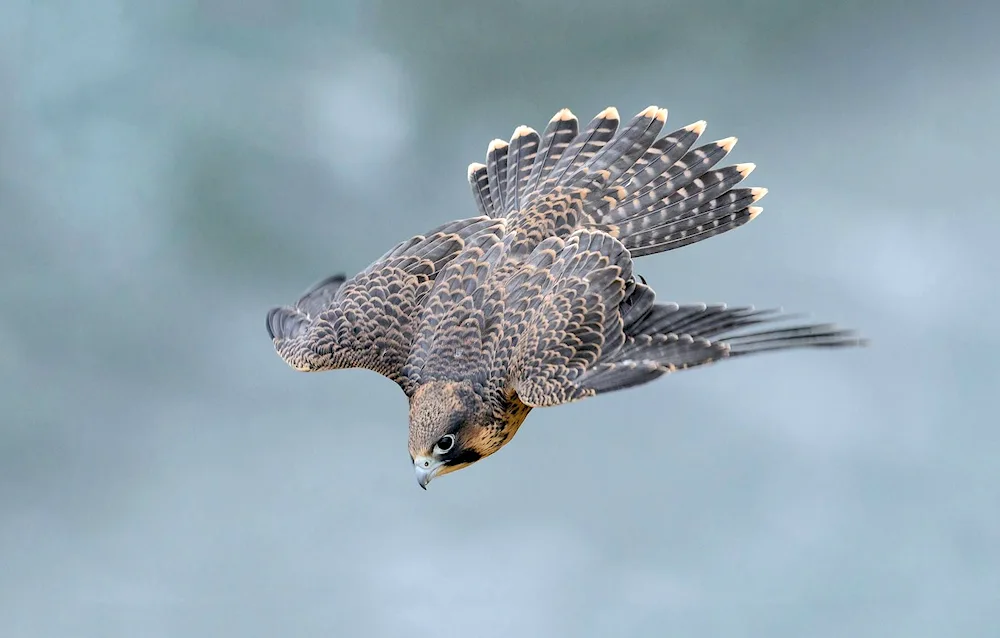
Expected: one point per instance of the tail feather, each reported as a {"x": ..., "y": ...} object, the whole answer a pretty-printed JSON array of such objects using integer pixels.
[
  {"x": 684, "y": 237},
  {"x": 561, "y": 130},
  {"x": 520, "y": 158},
  {"x": 618, "y": 156},
  {"x": 709, "y": 186},
  {"x": 658, "y": 158},
  {"x": 496, "y": 172},
  {"x": 480, "y": 182},
  {"x": 681, "y": 173},
  {"x": 583, "y": 149},
  {"x": 654, "y": 194},
  {"x": 673, "y": 223},
  {"x": 630, "y": 144}
]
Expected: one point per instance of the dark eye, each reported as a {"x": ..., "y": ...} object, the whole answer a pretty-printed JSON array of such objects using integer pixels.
[{"x": 445, "y": 444}]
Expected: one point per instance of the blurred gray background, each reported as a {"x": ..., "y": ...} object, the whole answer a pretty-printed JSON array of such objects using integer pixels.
[{"x": 169, "y": 170}]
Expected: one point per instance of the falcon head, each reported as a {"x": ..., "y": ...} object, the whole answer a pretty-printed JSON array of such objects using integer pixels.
[{"x": 451, "y": 427}]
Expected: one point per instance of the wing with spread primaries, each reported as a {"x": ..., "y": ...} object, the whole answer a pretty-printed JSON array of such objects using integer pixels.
[
  {"x": 367, "y": 321},
  {"x": 577, "y": 324}
]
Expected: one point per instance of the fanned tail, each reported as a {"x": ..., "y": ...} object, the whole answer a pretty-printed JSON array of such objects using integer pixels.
[
  {"x": 671, "y": 194},
  {"x": 652, "y": 193}
]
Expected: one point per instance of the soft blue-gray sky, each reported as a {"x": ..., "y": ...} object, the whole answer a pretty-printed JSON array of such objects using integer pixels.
[{"x": 170, "y": 170}]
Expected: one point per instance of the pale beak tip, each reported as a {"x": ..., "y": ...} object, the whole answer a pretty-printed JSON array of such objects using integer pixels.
[
  {"x": 424, "y": 476},
  {"x": 426, "y": 470}
]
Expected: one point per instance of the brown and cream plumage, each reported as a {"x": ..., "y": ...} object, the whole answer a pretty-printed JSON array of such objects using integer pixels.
[{"x": 534, "y": 303}]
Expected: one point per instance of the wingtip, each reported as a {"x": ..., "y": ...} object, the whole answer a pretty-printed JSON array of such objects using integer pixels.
[
  {"x": 758, "y": 193},
  {"x": 697, "y": 128},
  {"x": 727, "y": 144},
  {"x": 661, "y": 114},
  {"x": 745, "y": 169},
  {"x": 270, "y": 323},
  {"x": 563, "y": 115},
  {"x": 473, "y": 167},
  {"x": 754, "y": 211}
]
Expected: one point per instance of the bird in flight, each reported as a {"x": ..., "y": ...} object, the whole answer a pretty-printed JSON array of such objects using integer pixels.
[{"x": 534, "y": 302}]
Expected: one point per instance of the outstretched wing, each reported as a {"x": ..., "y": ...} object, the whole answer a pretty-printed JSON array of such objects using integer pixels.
[
  {"x": 666, "y": 337},
  {"x": 368, "y": 321},
  {"x": 577, "y": 324}
]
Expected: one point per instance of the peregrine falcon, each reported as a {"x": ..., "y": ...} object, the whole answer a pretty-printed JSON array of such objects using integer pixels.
[{"x": 534, "y": 302}]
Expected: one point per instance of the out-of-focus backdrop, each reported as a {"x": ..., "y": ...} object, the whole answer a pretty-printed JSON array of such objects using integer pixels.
[{"x": 169, "y": 170}]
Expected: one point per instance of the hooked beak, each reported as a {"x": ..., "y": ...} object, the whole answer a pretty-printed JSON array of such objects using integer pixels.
[{"x": 426, "y": 470}]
